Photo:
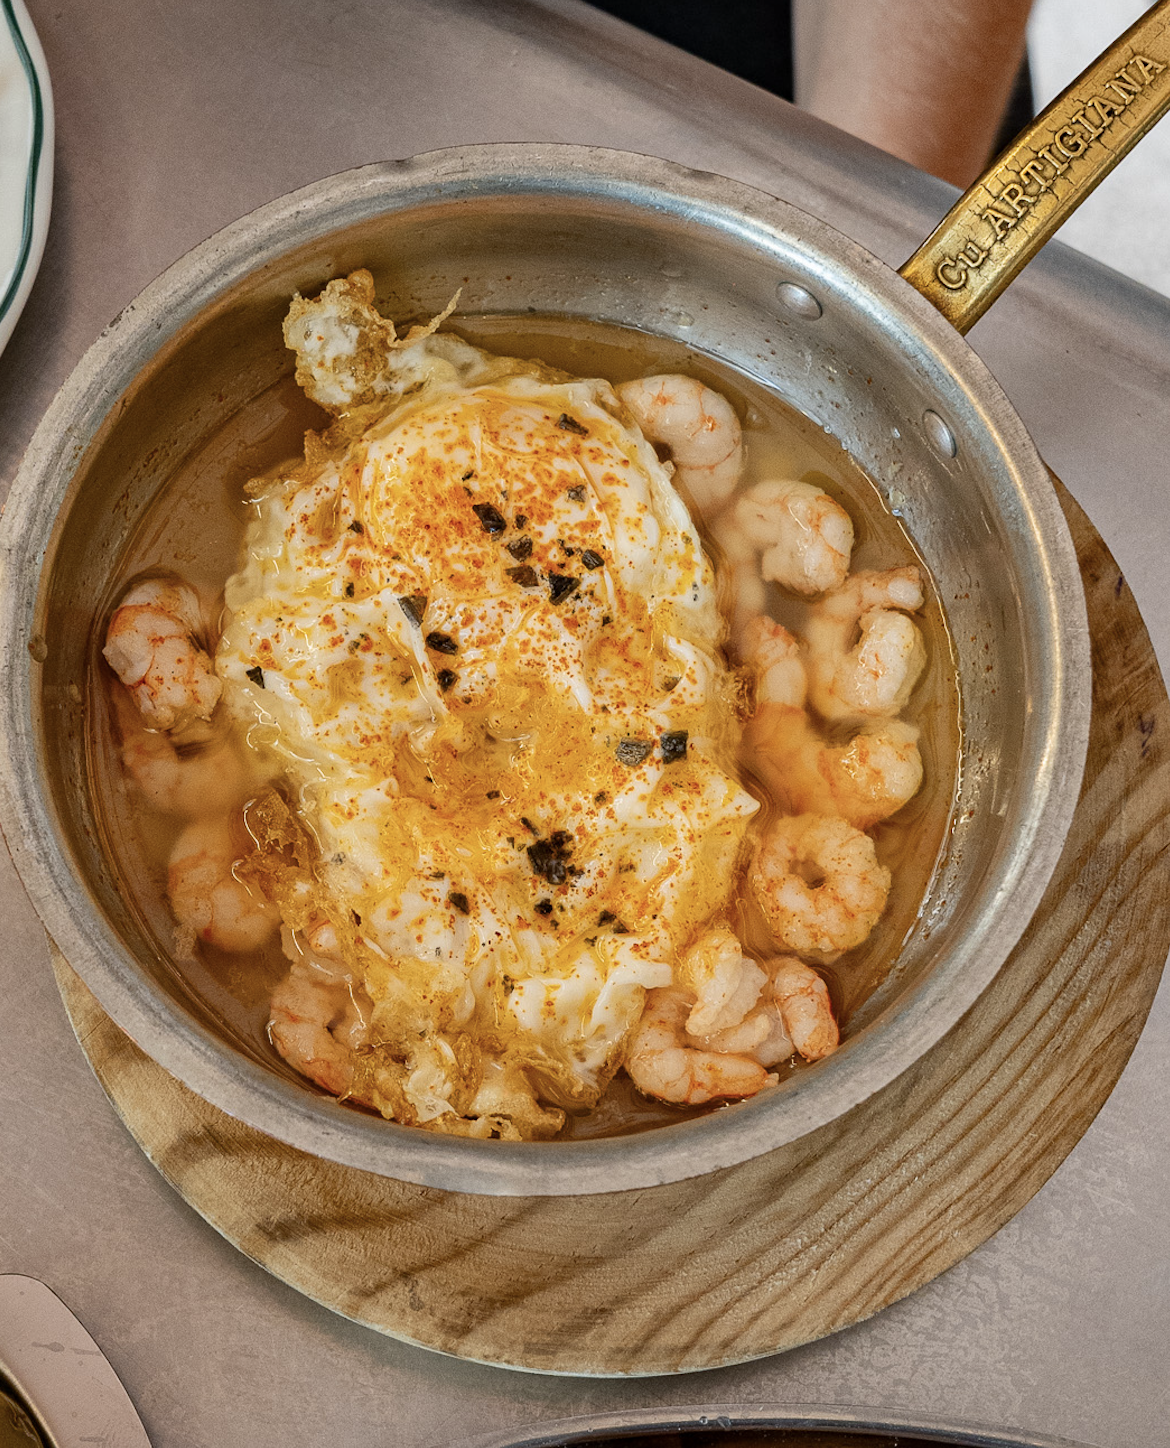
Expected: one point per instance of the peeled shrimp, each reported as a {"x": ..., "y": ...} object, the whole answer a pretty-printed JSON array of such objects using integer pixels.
[
  {"x": 760, "y": 1035},
  {"x": 317, "y": 1020},
  {"x": 190, "y": 779},
  {"x": 802, "y": 536},
  {"x": 152, "y": 645},
  {"x": 875, "y": 774},
  {"x": 208, "y": 899},
  {"x": 803, "y": 1000},
  {"x": 775, "y": 655},
  {"x": 746, "y": 593},
  {"x": 726, "y": 983},
  {"x": 662, "y": 1061},
  {"x": 819, "y": 884},
  {"x": 794, "y": 1015},
  {"x": 864, "y": 780},
  {"x": 697, "y": 425},
  {"x": 865, "y": 654}
]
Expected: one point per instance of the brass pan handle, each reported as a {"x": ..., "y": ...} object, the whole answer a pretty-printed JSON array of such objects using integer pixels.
[{"x": 997, "y": 226}]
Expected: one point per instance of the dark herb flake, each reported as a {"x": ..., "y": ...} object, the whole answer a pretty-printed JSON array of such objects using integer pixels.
[
  {"x": 349, "y": 590},
  {"x": 356, "y": 527},
  {"x": 560, "y": 585},
  {"x": 493, "y": 794},
  {"x": 520, "y": 549},
  {"x": 544, "y": 907},
  {"x": 257, "y": 676},
  {"x": 414, "y": 605},
  {"x": 674, "y": 746},
  {"x": 591, "y": 559},
  {"x": 633, "y": 751},
  {"x": 570, "y": 424},
  {"x": 545, "y": 863},
  {"x": 577, "y": 493},
  {"x": 458, "y": 901},
  {"x": 550, "y": 858},
  {"x": 492, "y": 519},
  {"x": 526, "y": 576},
  {"x": 446, "y": 678},
  {"x": 442, "y": 643}
]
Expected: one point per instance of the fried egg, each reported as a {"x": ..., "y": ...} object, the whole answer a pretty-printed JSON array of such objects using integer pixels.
[{"x": 478, "y": 631}]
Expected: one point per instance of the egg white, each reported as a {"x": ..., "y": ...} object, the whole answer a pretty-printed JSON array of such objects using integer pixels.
[{"x": 474, "y": 628}]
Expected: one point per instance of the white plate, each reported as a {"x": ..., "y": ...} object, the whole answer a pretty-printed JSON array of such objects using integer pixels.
[{"x": 26, "y": 160}]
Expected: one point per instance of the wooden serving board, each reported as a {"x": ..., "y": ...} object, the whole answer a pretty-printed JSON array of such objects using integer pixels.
[{"x": 778, "y": 1251}]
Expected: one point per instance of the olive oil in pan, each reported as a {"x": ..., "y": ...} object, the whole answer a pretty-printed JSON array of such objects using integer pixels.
[{"x": 195, "y": 530}]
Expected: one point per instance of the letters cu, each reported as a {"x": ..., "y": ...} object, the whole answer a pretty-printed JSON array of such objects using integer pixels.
[{"x": 1036, "y": 177}]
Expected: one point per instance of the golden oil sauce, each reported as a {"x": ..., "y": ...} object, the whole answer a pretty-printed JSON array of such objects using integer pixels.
[{"x": 195, "y": 529}]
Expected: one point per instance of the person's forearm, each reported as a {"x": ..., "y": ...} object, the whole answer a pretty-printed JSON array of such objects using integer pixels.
[{"x": 928, "y": 80}]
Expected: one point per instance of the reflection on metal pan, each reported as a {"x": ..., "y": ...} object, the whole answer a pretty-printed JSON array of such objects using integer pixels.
[{"x": 789, "y": 1426}]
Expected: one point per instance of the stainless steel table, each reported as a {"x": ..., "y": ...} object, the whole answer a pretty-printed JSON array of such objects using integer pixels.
[{"x": 174, "y": 119}]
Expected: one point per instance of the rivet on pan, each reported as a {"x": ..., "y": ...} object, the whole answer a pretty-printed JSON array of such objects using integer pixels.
[
  {"x": 939, "y": 435},
  {"x": 800, "y": 301}
]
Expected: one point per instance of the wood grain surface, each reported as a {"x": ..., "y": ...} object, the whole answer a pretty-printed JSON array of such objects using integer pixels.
[{"x": 798, "y": 1243}]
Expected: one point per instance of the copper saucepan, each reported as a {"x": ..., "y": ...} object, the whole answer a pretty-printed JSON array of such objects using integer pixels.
[{"x": 736, "y": 275}]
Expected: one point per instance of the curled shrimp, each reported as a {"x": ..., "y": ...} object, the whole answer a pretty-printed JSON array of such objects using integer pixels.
[
  {"x": 865, "y": 653},
  {"x": 317, "y": 1018},
  {"x": 819, "y": 885},
  {"x": 760, "y": 1036},
  {"x": 664, "y": 1062},
  {"x": 697, "y": 425},
  {"x": 802, "y": 537},
  {"x": 188, "y": 778},
  {"x": 864, "y": 780},
  {"x": 793, "y": 1016},
  {"x": 875, "y": 774},
  {"x": 746, "y": 593},
  {"x": 207, "y": 898},
  {"x": 153, "y": 646},
  {"x": 802, "y": 999},
  {"x": 726, "y": 983}
]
